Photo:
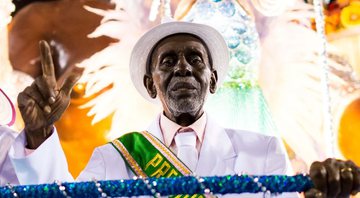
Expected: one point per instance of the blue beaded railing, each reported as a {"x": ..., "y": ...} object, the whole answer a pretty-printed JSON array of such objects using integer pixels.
[{"x": 164, "y": 186}]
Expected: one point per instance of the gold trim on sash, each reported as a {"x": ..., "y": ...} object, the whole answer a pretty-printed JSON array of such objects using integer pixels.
[
  {"x": 134, "y": 165},
  {"x": 167, "y": 153}
]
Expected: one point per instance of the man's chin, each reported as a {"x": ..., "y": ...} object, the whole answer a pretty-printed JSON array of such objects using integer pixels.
[{"x": 184, "y": 105}]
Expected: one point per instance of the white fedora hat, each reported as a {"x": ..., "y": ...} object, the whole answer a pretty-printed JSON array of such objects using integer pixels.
[
  {"x": 142, "y": 49},
  {"x": 7, "y": 110}
]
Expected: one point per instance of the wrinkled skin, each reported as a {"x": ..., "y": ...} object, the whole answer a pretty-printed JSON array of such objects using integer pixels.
[
  {"x": 42, "y": 103},
  {"x": 181, "y": 75}
]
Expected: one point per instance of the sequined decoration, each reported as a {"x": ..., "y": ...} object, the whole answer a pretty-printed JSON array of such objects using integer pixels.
[
  {"x": 62, "y": 189},
  {"x": 12, "y": 191},
  {"x": 243, "y": 105},
  {"x": 240, "y": 33},
  {"x": 164, "y": 186},
  {"x": 100, "y": 190},
  {"x": 150, "y": 187},
  {"x": 328, "y": 121}
]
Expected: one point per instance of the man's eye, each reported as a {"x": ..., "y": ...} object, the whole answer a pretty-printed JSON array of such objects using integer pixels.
[
  {"x": 168, "y": 61},
  {"x": 195, "y": 59}
]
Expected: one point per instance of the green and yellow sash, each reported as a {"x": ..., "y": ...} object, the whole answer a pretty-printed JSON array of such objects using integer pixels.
[{"x": 147, "y": 156}]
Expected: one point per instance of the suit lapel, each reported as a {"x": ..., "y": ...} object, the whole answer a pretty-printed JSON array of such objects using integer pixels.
[{"x": 217, "y": 154}]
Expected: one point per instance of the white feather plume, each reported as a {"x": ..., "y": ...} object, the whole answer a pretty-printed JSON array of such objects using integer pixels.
[
  {"x": 110, "y": 68},
  {"x": 290, "y": 78}
]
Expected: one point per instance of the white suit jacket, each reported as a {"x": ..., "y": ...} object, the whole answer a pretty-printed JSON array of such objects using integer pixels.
[{"x": 223, "y": 152}]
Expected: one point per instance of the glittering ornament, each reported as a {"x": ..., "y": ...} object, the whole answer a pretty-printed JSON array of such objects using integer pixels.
[{"x": 189, "y": 185}]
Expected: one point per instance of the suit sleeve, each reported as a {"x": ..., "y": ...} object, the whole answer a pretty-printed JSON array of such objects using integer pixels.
[
  {"x": 44, "y": 165},
  {"x": 95, "y": 169},
  {"x": 277, "y": 160}
]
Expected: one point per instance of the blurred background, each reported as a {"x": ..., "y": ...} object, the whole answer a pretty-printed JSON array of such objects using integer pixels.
[{"x": 276, "y": 84}]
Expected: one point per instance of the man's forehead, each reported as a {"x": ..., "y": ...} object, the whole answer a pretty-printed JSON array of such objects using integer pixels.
[{"x": 185, "y": 38}]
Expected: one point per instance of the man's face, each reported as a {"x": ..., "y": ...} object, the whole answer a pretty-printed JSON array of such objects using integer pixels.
[{"x": 181, "y": 75}]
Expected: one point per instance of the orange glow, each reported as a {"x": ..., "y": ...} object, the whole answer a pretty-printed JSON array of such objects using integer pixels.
[
  {"x": 349, "y": 132},
  {"x": 350, "y": 15},
  {"x": 79, "y": 88},
  {"x": 78, "y": 137}
]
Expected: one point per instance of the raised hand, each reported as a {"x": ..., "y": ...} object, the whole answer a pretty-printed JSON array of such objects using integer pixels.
[
  {"x": 43, "y": 103},
  {"x": 334, "y": 178}
]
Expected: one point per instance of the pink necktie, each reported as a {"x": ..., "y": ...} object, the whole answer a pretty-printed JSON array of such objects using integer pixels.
[{"x": 185, "y": 141}]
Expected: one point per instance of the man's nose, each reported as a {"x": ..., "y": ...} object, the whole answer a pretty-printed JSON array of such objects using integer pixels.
[{"x": 183, "y": 68}]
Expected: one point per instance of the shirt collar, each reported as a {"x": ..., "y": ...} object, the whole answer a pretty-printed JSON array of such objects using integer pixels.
[{"x": 169, "y": 128}]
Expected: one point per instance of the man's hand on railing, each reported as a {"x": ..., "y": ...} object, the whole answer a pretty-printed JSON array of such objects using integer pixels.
[{"x": 334, "y": 178}]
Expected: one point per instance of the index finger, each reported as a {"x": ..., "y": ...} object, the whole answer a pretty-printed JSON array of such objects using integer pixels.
[{"x": 47, "y": 62}]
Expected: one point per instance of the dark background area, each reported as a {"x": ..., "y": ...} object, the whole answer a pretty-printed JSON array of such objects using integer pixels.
[{"x": 19, "y": 4}]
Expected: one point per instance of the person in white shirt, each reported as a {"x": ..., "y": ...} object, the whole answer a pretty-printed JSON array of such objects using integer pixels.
[{"x": 176, "y": 64}]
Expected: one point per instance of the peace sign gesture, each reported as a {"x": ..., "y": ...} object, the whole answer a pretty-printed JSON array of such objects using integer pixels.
[{"x": 43, "y": 103}]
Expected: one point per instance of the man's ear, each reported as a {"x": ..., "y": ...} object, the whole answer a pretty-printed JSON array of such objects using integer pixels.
[
  {"x": 213, "y": 81},
  {"x": 149, "y": 85}
]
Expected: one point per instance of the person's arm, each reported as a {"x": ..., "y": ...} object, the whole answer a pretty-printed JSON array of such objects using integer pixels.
[
  {"x": 277, "y": 160},
  {"x": 41, "y": 105},
  {"x": 45, "y": 164}
]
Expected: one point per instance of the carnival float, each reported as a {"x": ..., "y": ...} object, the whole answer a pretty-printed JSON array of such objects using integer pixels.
[{"x": 294, "y": 73}]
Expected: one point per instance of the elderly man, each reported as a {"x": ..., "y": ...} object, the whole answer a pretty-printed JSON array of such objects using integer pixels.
[{"x": 177, "y": 64}]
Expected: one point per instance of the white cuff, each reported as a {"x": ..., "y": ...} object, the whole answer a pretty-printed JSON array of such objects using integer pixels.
[{"x": 44, "y": 165}]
